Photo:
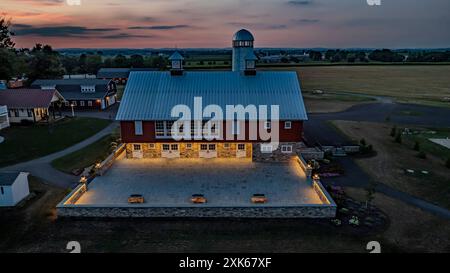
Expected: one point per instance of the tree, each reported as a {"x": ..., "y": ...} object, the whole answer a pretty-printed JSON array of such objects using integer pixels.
[
  {"x": 417, "y": 146},
  {"x": 370, "y": 193},
  {"x": 44, "y": 64},
  {"x": 398, "y": 137},
  {"x": 137, "y": 61},
  {"x": 7, "y": 60},
  {"x": 447, "y": 164},
  {"x": 121, "y": 61},
  {"x": 5, "y": 34},
  {"x": 386, "y": 55},
  {"x": 394, "y": 131}
]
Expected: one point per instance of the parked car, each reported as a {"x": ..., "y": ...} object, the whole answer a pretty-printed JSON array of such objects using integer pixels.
[
  {"x": 136, "y": 199},
  {"x": 199, "y": 199},
  {"x": 259, "y": 199}
]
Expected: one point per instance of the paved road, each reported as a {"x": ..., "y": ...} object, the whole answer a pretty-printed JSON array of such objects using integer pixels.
[
  {"x": 318, "y": 130},
  {"x": 41, "y": 167}
]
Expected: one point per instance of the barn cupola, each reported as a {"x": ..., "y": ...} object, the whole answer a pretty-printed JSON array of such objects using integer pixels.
[
  {"x": 243, "y": 55},
  {"x": 177, "y": 64}
]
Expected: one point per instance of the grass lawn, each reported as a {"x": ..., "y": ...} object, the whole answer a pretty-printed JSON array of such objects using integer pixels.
[
  {"x": 23, "y": 143},
  {"x": 96, "y": 152},
  {"x": 392, "y": 158},
  {"x": 430, "y": 147},
  {"x": 422, "y": 84}
]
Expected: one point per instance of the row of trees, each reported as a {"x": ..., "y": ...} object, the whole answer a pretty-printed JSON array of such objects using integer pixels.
[{"x": 91, "y": 63}]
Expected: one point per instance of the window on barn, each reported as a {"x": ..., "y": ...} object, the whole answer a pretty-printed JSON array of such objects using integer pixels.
[{"x": 138, "y": 130}]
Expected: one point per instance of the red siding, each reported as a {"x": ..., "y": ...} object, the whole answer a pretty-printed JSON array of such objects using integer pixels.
[{"x": 128, "y": 133}]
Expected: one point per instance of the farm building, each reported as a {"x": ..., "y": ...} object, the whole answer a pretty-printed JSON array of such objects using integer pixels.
[
  {"x": 32, "y": 105},
  {"x": 13, "y": 188},
  {"x": 83, "y": 94},
  {"x": 119, "y": 75},
  {"x": 146, "y": 120}
]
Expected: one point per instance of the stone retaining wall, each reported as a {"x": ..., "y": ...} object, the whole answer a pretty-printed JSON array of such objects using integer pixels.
[{"x": 306, "y": 211}]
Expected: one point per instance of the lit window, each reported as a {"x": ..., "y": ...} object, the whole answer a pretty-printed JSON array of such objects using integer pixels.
[
  {"x": 137, "y": 147},
  {"x": 138, "y": 130},
  {"x": 82, "y": 103},
  {"x": 90, "y": 103},
  {"x": 287, "y": 149},
  {"x": 241, "y": 147},
  {"x": 288, "y": 125},
  {"x": 160, "y": 132},
  {"x": 169, "y": 125}
]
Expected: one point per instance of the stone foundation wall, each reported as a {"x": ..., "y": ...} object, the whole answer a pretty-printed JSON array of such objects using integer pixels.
[
  {"x": 185, "y": 152},
  {"x": 278, "y": 155},
  {"x": 307, "y": 211}
]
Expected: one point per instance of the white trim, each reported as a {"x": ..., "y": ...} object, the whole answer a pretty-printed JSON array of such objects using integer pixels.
[
  {"x": 286, "y": 126},
  {"x": 287, "y": 149}
]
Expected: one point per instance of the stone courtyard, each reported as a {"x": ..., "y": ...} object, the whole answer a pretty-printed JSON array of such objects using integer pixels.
[{"x": 224, "y": 182}]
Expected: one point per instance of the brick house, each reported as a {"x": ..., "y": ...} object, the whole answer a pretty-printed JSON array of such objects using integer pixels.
[
  {"x": 145, "y": 113},
  {"x": 83, "y": 94}
]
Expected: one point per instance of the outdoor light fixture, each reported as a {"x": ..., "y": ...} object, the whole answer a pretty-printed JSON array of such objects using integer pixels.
[{"x": 83, "y": 179}]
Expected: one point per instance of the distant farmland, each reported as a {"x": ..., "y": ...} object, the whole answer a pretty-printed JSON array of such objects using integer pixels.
[{"x": 424, "y": 84}]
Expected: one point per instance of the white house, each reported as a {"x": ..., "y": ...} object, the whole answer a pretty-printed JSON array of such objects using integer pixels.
[
  {"x": 13, "y": 188},
  {"x": 4, "y": 119}
]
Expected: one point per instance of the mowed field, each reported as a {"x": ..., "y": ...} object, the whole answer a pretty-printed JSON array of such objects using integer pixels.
[{"x": 422, "y": 84}]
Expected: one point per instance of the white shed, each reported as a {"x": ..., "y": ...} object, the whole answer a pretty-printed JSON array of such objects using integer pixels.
[{"x": 13, "y": 188}]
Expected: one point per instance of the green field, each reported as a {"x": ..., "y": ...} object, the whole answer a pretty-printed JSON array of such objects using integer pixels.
[
  {"x": 96, "y": 152},
  {"x": 23, "y": 143},
  {"x": 421, "y": 84}
]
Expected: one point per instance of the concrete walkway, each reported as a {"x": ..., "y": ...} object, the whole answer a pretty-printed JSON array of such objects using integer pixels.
[{"x": 42, "y": 168}]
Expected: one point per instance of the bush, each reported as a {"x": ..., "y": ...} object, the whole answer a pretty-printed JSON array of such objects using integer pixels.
[
  {"x": 363, "y": 142},
  {"x": 422, "y": 155},
  {"x": 417, "y": 146},
  {"x": 393, "y": 131},
  {"x": 447, "y": 164},
  {"x": 398, "y": 137}
]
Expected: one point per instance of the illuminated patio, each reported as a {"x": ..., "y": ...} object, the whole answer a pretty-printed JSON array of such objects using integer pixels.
[{"x": 224, "y": 182}]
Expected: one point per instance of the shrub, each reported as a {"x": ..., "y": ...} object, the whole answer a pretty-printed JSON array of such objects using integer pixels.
[
  {"x": 398, "y": 137},
  {"x": 394, "y": 131},
  {"x": 422, "y": 155},
  {"x": 363, "y": 142},
  {"x": 417, "y": 146}
]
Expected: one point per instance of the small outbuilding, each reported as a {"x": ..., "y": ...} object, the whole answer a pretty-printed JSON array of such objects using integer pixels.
[{"x": 13, "y": 188}]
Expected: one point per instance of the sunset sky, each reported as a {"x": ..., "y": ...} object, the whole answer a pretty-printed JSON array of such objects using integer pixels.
[{"x": 211, "y": 23}]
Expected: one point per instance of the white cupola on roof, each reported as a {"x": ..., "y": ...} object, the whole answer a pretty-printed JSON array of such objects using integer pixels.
[
  {"x": 243, "y": 55},
  {"x": 177, "y": 64}
]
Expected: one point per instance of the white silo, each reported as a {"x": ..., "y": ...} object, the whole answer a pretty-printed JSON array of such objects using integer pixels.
[{"x": 243, "y": 42}]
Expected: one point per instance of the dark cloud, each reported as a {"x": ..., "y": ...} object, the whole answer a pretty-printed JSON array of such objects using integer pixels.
[
  {"x": 126, "y": 36},
  {"x": 300, "y": 2},
  {"x": 58, "y": 31},
  {"x": 162, "y": 27},
  {"x": 305, "y": 21}
]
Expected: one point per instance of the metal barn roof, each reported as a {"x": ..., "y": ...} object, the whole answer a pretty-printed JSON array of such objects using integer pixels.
[
  {"x": 71, "y": 88},
  {"x": 152, "y": 95}
]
